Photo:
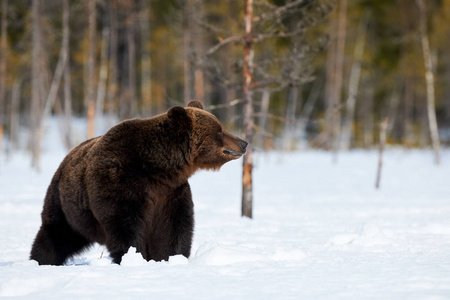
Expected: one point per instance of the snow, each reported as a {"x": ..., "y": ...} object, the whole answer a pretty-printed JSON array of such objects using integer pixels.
[{"x": 320, "y": 231}]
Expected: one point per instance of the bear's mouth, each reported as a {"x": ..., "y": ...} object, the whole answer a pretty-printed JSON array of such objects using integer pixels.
[{"x": 232, "y": 153}]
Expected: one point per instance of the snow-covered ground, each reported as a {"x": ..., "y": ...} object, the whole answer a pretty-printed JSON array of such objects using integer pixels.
[{"x": 320, "y": 231}]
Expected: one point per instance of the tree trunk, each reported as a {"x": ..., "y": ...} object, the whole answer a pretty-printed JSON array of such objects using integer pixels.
[
  {"x": 1, "y": 142},
  {"x": 131, "y": 41},
  {"x": 187, "y": 51},
  {"x": 112, "y": 78},
  {"x": 66, "y": 79},
  {"x": 307, "y": 109},
  {"x": 340, "y": 47},
  {"x": 330, "y": 101},
  {"x": 51, "y": 97},
  {"x": 146, "y": 63},
  {"x": 112, "y": 99},
  {"x": 199, "y": 82},
  {"x": 198, "y": 45},
  {"x": 429, "y": 79},
  {"x": 103, "y": 75},
  {"x": 424, "y": 136},
  {"x": 368, "y": 117},
  {"x": 289, "y": 125},
  {"x": 247, "y": 184},
  {"x": 36, "y": 85},
  {"x": 90, "y": 94},
  {"x": 355, "y": 74},
  {"x": 14, "y": 118},
  {"x": 408, "y": 134},
  {"x": 392, "y": 113},
  {"x": 447, "y": 89},
  {"x": 4, "y": 24},
  {"x": 265, "y": 101},
  {"x": 383, "y": 129},
  {"x": 335, "y": 67}
]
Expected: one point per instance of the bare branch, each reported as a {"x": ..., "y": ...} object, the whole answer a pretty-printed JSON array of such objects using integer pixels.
[
  {"x": 265, "y": 4},
  {"x": 261, "y": 37},
  {"x": 277, "y": 12},
  {"x": 211, "y": 27},
  {"x": 259, "y": 130},
  {"x": 275, "y": 117},
  {"x": 225, "y": 105},
  {"x": 233, "y": 38}
]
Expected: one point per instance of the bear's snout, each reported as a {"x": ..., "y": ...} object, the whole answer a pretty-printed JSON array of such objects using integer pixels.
[
  {"x": 234, "y": 146},
  {"x": 244, "y": 146}
]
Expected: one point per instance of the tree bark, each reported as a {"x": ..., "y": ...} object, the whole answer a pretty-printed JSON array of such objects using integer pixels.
[
  {"x": 335, "y": 66},
  {"x": 113, "y": 60},
  {"x": 14, "y": 118},
  {"x": 355, "y": 74},
  {"x": 383, "y": 129},
  {"x": 199, "y": 84},
  {"x": 340, "y": 47},
  {"x": 4, "y": 25},
  {"x": 368, "y": 117},
  {"x": 330, "y": 101},
  {"x": 408, "y": 110},
  {"x": 429, "y": 79},
  {"x": 90, "y": 94},
  {"x": 146, "y": 62},
  {"x": 247, "y": 181},
  {"x": 66, "y": 78},
  {"x": 187, "y": 51},
  {"x": 35, "y": 88},
  {"x": 51, "y": 97},
  {"x": 265, "y": 101},
  {"x": 103, "y": 75},
  {"x": 1, "y": 142},
  {"x": 392, "y": 113},
  {"x": 307, "y": 109},
  {"x": 447, "y": 89},
  {"x": 131, "y": 41},
  {"x": 289, "y": 126},
  {"x": 198, "y": 47}
]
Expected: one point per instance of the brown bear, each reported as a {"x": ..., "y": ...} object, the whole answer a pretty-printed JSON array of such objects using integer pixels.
[{"x": 130, "y": 187}]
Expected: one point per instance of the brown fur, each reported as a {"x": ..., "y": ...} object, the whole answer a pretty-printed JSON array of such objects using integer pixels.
[{"x": 129, "y": 187}]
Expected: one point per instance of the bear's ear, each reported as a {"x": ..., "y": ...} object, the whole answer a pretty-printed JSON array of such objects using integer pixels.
[
  {"x": 195, "y": 103},
  {"x": 178, "y": 115}
]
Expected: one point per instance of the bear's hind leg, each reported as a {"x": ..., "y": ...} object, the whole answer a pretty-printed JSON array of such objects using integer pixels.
[{"x": 56, "y": 242}]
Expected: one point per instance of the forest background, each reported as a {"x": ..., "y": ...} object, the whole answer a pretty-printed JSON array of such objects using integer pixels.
[{"x": 324, "y": 73}]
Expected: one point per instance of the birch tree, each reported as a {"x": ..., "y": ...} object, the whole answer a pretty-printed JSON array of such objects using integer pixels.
[
  {"x": 66, "y": 78},
  {"x": 36, "y": 101},
  {"x": 429, "y": 79},
  {"x": 247, "y": 121},
  {"x": 102, "y": 78},
  {"x": 271, "y": 24},
  {"x": 335, "y": 67},
  {"x": 355, "y": 74},
  {"x": 4, "y": 24},
  {"x": 130, "y": 96},
  {"x": 188, "y": 70},
  {"x": 112, "y": 89},
  {"x": 146, "y": 63},
  {"x": 91, "y": 62}
]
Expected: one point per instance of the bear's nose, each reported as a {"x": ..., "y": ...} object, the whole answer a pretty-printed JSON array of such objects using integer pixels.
[{"x": 244, "y": 144}]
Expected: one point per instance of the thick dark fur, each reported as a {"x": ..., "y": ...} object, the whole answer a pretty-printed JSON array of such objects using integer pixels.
[{"x": 129, "y": 187}]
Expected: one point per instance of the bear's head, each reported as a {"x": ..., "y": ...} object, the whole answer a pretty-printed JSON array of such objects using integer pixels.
[{"x": 210, "y": 145}]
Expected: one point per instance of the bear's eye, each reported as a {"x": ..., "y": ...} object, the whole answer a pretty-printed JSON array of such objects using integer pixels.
[{"x": 220, "y": 134}]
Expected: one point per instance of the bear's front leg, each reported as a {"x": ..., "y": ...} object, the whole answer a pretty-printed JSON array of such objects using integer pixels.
[
  {"x": 122, "y": 219},
  {"x": 172, "y": 226}
]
